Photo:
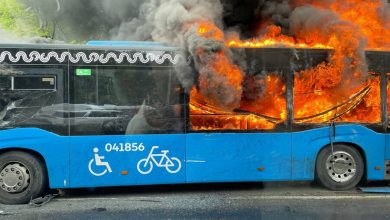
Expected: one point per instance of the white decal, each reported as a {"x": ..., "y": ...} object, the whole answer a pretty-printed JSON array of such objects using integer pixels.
[
  {"x": 172, "y": 165},
  {"x": 129, "y": 57},
  {"x": 195, "y": 161},
  {"x": 97, "y": 161},
  {"x": 124, "y": 147}
]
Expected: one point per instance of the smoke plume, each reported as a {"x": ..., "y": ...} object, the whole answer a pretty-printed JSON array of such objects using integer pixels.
[
  {"x": 199, "y": 27},
  {"x": 178, "y": 22}
]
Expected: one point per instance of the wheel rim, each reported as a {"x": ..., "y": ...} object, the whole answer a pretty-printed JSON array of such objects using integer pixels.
[
  {"x": 14, "y": 178},
  {"x": 341, "y": 166}
]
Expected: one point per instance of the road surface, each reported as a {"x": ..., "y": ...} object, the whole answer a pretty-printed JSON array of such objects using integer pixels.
[{"x": 208, "y": 201}]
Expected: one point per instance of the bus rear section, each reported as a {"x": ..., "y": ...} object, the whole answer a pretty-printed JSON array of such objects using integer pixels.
[
  {"x": 297, "y": 120},
  {"x": 94, "y": 116}
]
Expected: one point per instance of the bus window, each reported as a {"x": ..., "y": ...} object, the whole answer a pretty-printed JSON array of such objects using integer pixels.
[
  {"x": 325, "y": 92},
  {"x": 33, "y": 83},
  {"x": 263, "y": 106},
  {"x": 5, "y": 83},
  {"x": 263, "y": 103},
  {"x": 30, "y": 97},
  {"x": 124, "y": 100}
]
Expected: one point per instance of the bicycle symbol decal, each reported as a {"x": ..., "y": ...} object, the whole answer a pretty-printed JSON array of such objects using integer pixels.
[
  {"x": 172, "y": 165},
  {"x": 97, "y": 161}
]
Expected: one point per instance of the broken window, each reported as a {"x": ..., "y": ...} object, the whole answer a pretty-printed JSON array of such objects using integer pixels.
[{"x": 30, "y": 97}]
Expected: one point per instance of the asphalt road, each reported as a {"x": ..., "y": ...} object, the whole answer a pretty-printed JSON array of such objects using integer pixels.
[{"x": 210, "y": 201}]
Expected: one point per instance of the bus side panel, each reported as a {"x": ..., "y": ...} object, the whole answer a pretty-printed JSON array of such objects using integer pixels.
[
  {"x": 132, "y": 159},
  {"x": 238, "y": 157},
  {"x": 307, "y": 144},
  {"x": 53, "y": 148},
  {"x": 387, "y": 154}
]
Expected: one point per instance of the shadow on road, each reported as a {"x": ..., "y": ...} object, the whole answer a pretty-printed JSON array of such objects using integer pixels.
[
  {"x": 190, "y": 188},
  {"x": 210, "y": 187}
]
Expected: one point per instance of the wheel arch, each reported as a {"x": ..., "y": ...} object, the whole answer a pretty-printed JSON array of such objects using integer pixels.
[{"x": 32, "y": 152}]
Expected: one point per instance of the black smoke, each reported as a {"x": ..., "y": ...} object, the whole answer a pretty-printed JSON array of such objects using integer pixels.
[
  {"x": 82, "y": 20},
  {"x": 75, "y": 20},
  {"x": 175, "y": 22},
  {"x": 249, "y": 17}
]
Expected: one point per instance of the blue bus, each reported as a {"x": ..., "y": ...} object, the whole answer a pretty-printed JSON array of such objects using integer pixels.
[{"x": 107, "y": 114}]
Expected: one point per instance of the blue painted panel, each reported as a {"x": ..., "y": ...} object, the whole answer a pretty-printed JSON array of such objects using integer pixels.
[
  {"x": 86, "y": 172},
  {"x": 203, "y": 157},
  {"x": 307, "y": 144},
  {"x": 52, "y": 147},
  {"x": 238, "y": 157},
  {"x": 387, "y": 154}
]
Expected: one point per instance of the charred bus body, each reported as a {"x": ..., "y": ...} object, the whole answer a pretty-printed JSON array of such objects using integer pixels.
[
  {"x": 280, "y": 88},
  {"x": 91, "y": 116}
]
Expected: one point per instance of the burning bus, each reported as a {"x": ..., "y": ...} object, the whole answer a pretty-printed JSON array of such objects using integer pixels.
[
  {"x": 299, "y": 100},
  {"x": 297, "y": 88},
  {"x": 95, "y": 116}
]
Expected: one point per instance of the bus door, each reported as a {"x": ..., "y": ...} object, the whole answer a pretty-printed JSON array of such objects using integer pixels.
[{"x": 126, "y": 126}]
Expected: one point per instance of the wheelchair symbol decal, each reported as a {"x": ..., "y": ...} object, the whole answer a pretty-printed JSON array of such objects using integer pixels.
[
  {"x": 172, "y": 165},
  {"x": 96, "y": 162}
]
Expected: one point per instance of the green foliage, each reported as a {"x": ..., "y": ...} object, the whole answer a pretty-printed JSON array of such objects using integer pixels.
[{"x": 20, "y": 20}]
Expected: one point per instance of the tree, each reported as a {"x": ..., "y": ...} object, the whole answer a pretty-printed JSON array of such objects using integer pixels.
[{"x": 17, "y": 18}]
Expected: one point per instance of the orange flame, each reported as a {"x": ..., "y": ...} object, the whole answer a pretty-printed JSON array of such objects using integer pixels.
[
  {"x": 210, "y": 31},
  {"x": 338, "y": 90},
  {"x": 364, "y": 14},
  {"x": 219, "y": 79},
  {"x": 272, "y": 38}
]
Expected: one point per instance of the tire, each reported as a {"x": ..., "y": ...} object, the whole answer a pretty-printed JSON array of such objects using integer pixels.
[
  {"x": 342, "y": 171},
  {"x": 29, "y": 170}
]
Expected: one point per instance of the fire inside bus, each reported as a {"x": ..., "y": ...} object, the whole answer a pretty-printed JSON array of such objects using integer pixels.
[{"x": 108, "y": 115}]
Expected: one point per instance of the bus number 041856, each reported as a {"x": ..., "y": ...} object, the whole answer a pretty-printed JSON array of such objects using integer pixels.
[{"x": 124, "y": 147}]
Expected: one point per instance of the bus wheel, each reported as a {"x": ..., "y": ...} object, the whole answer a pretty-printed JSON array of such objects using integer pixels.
[
  {"x": 22, "y": 177},
  {"x": 341, "y": 170}
]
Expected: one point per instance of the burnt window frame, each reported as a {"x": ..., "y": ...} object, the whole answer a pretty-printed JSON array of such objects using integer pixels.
[
  {"x": 263, "y": 62},
  {"x": 380, "y": 126},
  {"x": 385, "y": 82}
]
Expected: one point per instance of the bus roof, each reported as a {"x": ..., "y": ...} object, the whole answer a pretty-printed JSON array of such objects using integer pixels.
[
  {"x": 99, "y": 45},
  {"x": 95, "y": 52},
  {"x": 126, "y": 43}
]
